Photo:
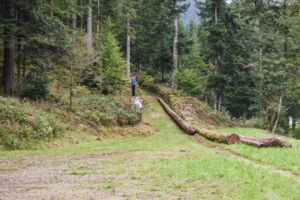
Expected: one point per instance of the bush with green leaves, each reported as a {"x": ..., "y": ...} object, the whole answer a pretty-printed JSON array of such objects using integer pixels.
[
  {"x": 21, "y": 124},
  {"x": 145, "y": 80},
  {"x": 105, "y": 110}
]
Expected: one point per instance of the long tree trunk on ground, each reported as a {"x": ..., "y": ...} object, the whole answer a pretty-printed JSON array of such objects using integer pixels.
[
  {"x": 89, "y": 27},
  {"x": 227, "y": 138},
  {"x": 264, "y": 142},
  {"x": 8, "y": 43},
  {"x": 183, "y": 124},
  {"x": 175, "y": 50},
  {"x": 128, "y": 47}
]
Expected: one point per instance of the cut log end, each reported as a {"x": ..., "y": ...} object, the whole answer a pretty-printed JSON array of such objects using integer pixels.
[{"x": 233, "y": 139}]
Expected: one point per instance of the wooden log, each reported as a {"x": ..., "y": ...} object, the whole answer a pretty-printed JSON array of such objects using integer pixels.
[
  {"x": 265, "y": 142},
  {"x": 252, "y": 143},
  {"x": 181, "y": 123},
  {"x": 224, "y": 137},
  {"x": 227, "y": 138}
]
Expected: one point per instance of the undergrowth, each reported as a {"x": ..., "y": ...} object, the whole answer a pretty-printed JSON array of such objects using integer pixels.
[
  {"x": 21, "y": 124},
  {"x": 24, "y": 124}
]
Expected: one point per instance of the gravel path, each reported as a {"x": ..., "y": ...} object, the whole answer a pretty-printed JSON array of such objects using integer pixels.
[{"x": 58, "y": 177}]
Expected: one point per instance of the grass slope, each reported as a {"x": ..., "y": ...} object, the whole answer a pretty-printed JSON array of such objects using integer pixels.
[{"x": 170, "y": 165}]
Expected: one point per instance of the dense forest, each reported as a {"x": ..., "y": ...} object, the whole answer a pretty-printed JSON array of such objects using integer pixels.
[
  {"x": 150, "y": 99},
  {"x": 241, "y": 57}
]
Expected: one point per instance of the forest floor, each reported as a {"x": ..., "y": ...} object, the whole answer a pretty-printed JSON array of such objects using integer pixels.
[{"x": 166, "y": 165}]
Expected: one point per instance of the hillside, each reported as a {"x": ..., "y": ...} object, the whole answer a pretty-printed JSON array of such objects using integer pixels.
[{"x": 35, "y": 124}]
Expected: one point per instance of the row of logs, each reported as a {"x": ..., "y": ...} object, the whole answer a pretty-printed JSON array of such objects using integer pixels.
[{"x": 225, "y": 137}]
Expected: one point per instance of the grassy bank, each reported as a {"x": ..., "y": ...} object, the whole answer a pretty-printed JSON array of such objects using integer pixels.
[{"x": 28, "y": 124}]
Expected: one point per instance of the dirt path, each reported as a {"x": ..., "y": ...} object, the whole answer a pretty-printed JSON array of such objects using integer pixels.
[{"x": 51, "y": 177}]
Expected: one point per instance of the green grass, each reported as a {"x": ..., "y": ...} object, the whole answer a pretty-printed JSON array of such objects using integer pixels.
[
  {"x": 170, "y": 165},
  {"x": 286, "y": 158}
]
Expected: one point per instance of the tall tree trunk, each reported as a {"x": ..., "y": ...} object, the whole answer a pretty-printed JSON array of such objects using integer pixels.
[
  {"x": 294, "y": 123},
  {"x": 24, "y": 63},
  {"x": 81, "y": 16},
  {"x": 74, "y": 21},
  {"x": 128, "y": 47},
  {"x": 175, "y": 51},
  {"x": 215, "y": 70},
  {"x": 89, "y": 27},
  {"x": 278, "y": 110},
  {"x": 219, "y": 103},
  {"x": 19, "y": 61},
  {"x": 215, "y": 100},
  {"x": 261, "y": 63},
  {"x": 8, "y": 71},
  {"x": 71, "y": 66},
  {"x": 98, "y": 17},
  {"x": 285, "y": 47},
  {"x": 216, "y": 14}
]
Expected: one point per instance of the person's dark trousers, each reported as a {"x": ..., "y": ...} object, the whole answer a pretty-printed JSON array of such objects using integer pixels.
[{"x": 133, "y": 90}]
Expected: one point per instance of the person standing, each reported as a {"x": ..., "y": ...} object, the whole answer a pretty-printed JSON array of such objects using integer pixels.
[{"x": 133, "y": 84}]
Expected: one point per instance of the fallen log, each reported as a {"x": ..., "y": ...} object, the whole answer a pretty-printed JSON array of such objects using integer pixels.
[
  {"x": 224, "y": 137},
  {"x": 227, "y": 138},
  {"x": 264, "y": 142},
  {"x": 183, "y": 124}
]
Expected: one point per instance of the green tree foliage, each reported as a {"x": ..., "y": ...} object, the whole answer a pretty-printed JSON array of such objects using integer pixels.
[
  {"x": 242, "y": 56},
  {"x": 190, "y": 81},
  {"x": 111, "y": 65},
  {"x": 153, "y": 40}
]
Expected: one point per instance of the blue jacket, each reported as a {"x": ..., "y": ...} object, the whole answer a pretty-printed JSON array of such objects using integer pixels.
[{"x": 133, "y": 81}]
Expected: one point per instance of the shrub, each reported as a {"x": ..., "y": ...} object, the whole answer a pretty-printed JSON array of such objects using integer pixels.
[
  {"x": 21, "y": 124},
  {"x": 105, "y": 110},
  {"x": 145, "y": 80}
]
